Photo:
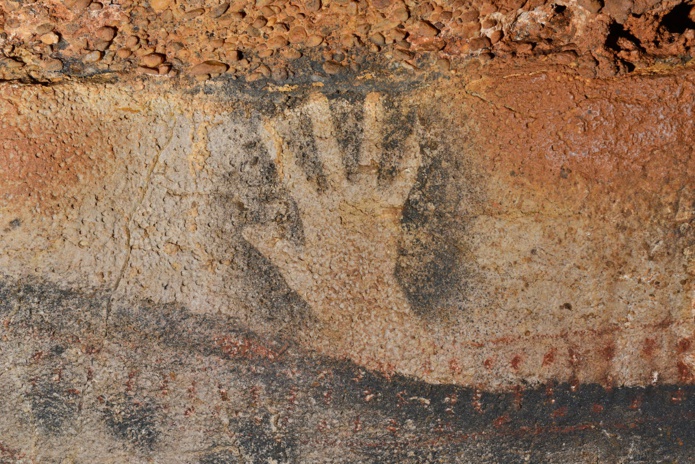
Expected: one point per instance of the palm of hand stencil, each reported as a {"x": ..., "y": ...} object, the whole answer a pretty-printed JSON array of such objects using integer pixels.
[{"x": 345, "y": 268}]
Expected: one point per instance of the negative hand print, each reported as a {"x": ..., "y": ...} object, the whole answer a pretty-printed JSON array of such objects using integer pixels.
[{"x": 344, "y": 269}]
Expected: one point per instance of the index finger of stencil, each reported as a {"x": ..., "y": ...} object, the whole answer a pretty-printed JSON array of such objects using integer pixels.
[
  {"x": 326, "y": 141},
  {"x": 293, "y": 177}
]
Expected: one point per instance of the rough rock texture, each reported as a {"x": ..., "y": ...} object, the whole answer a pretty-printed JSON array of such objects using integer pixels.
[
  {"x": 300, "y": 40},
  {"x": 346, "y": 231}
]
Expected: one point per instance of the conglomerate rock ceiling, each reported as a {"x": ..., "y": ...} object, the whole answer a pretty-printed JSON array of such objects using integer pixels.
[
  {"x": 347, "y": 231},
  {"x": 266, "y": 40}
]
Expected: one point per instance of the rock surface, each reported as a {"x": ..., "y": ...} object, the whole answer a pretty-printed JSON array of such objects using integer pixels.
[{"x": 346, "y": 231}]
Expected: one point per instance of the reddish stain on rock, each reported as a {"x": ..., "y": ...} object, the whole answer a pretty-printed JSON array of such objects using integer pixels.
[
  {"x": 683, "y": 345},
  {"x": 549, "y": 357},
  {"x": 649, "y": 347},
  {"x": 684, "y": 373},
  {"x": 44, "y": 161}
]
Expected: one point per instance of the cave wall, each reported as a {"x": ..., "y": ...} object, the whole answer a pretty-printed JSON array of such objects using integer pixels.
[{"x": 346, "y": 231}]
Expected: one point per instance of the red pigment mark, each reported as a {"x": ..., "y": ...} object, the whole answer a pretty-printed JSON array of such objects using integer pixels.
[
  {"x": 255, "y": 393},
  {"x": 684, "y": 374},
  {"x": 454, "y": 366},
  {"x": 516, "y": 362},
  {"x": 518, "y": 396},
  {"x": 502, "y": 420},
  {"x": 388, "y": 369},
  {"x": 608, "y": 352},
  {"x": 6, "y": 451},
  {"x": 328, "y": 396},
  {"x": 649, "y": 347},
  {"x": 477, "y": 404},
  {"x": 401, "y": 400},
  {"x": 573, "y": 357},
  {"x": 427, "y": 367},
  {"x": 549, "y": 357},
  {"x": 560, "y": 412},
  {"x": 358, "y": 425},
  {"x": 368, "y": 395},
  {"x": 91, "y": 349},
  {"x": 243, "y": 348},
  {"x": 678, "y": 396},
  {"x": 636, "y": 403},
  {"x": 683, "y": 345},
  {"x": 393, "y": 426},
  {"x": 292, "y": 397},
  {"x": 597, "y": 408},
  {"x": 130, "y": 381},
  {"x": 488, "y": 363},
  {"x": 451, "y": 400},
  {"x": 164, "y": 386}
]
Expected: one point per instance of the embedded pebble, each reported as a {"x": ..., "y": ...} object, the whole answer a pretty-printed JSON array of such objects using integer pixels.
[
  {"x": 132, "y": 41},
  {"x": 147, "y": 70},
  {"x": 12, "y": 63},
  {"x": 254, "y": 77},
  {"x": 313, "y": 5},
  {"x": 277, "y": 42},
  {"x": 443, "y": 64},
  {"x": 50, "y": 38},
  {"x": 193, "y": 14},
  {"x": 423, "y": 29},
  {"x": 160, "y": 5},
  {"x": 314, "y": 41},
  {"x": 297, "y": 35},
  {"x": 232, "y": 55},
  {"x": 208, "y": 67},
  {"x": 124, "y": 53},
  {"x": 264, "y": 70},
  {"x": 101, "y": 45},
  {"x": 219, "y": 10},
  {"x": 331, "y": 67},
  {"x": 92, "y": 57},
  {"x": 291, "y": 54},
  {"x": 479, "y": 43},
  {"x": 152, "y": 60},
  {"x": 279, "y": 74},
  {"x": 81, "y": 5},
  {"x": 496, "y": 36},
  {"x": 106, "y": 33},
  {"x": 52, "y": 65},
  {"x": 45, "y": 28}
]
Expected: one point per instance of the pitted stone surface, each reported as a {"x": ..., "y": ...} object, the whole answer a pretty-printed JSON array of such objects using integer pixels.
[
  {"x": 346, "y": 231},
  {"x": 422, "y": 238},
  {"x": 289, "y": 41}
]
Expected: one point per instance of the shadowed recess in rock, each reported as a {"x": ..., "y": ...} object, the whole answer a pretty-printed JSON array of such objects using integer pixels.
[{"x": 283, "y": 395}]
